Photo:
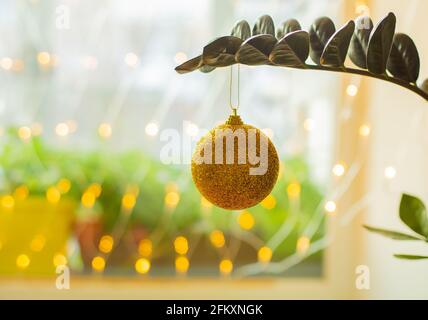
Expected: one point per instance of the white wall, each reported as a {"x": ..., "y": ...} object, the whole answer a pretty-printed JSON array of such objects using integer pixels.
[{"x": 399, "y": 122}]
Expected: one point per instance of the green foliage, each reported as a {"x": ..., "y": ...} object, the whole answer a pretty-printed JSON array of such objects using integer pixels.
[
  {"x": 413, "y": 213},
  {"x": 39, "y": 166},
  {"x": 392, "y": 234},
  {"x": 408, "y": 257}
]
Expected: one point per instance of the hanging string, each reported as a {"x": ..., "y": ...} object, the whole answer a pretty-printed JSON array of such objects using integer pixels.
[{"x": 232, "y": 106}]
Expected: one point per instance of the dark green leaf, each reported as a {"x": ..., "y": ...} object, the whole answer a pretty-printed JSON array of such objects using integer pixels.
[
  {"x": 360, "y": 41},
  {"x": 320, "y": 32},
  {"x": 221, "y": 52},
  {"x": 393, "y": 234},
  {"x": 413, "y": 213},
  {"x": 380, "y": 44},
  {"x": 256, "y": 50},
  {"x": 336, "y": 49},
  {"x": 190, "y": 65},
  {"x": 206, "y": 69},
  {"x": 404, "y": 62},
  {"x": 292, "y": 50},
  {"x": 241, "y": 30},
  {"x": 264, "y": 25},
  {"x": 286, "y": 27},
  {"x": 409, "y": 257}
]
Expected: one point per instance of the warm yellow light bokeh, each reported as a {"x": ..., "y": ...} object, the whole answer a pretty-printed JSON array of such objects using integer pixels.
[
  {"x": 105, "y": 130},
  {"x": 64, "y": 186},
  {"x": 38, "y": 243},
  {"x": 7, "y": 202},
  {"x": 6, "y": 63},
  {"x": 24, "y": 133},
  {"x": 59, "y": 260},
  {"x": 390, "y": 172},
  {"x": 128, "y": 201},
  {"x": 62, "y": 129},
  {"x": 181, "y": 245},
  {"x": 293, "y": 190},
  {"x": 88, "y": 199},
  {"x": 23, "y": 261},
  {"x": 264, "y": 254},
  {"x": 44, "y": 58},
  {"x": 95, "y": 189},
  {"x": 98, "y": 264},
  {"x": 18, "y": 65},
  {"x": 339, "y": 169},
  {"x": 217, "y": 239},
  {"x": 246, "y": 220},
  {"x": 364, "y": 130},
  {"x": 172, "y": 199},
  {"x": 106, "y": 244},
  {"x": 182, "y": 264},
  {"x": 131, "y": 59},
  {"x": 21, "y": 192},
  {"x": 269, "y": 202},
  {"x": 180, "y": 57},
  {"x": 303, "y": 244},
  {"x": 309, "y": 125},
  {"x": 53, "y": 195},
  {"x": 352, "y": 90},
  {"x": 145, "y": 248},
  {"x": 142, "y": 265},
  {"x": 226, "y": 267},
  {"x": 330, "y": 207},
  {"x": 152, "y": 129}
]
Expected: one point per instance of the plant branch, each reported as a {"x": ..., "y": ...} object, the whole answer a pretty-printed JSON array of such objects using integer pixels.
[{"x": 366, "y": 73}]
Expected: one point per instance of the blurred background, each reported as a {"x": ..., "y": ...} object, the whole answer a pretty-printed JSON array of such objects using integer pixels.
[{"x": 87, "y": 88}]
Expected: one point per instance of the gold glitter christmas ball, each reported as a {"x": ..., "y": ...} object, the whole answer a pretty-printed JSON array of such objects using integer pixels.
[{"x": 235, "y": 166}]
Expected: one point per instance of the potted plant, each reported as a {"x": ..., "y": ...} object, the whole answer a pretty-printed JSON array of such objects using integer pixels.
[{"x": 413, "y": 214}]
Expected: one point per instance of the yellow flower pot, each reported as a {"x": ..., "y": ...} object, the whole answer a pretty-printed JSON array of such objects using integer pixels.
[{"x": 33, "y": 235}]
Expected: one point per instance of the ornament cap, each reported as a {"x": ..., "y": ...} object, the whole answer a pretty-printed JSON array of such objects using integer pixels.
[{"x": 234, "y": 120}]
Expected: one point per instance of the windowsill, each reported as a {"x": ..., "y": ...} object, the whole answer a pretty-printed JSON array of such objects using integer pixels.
[{"x": 164, "y": 288}]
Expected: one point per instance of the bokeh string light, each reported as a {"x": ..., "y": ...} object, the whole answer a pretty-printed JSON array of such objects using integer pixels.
[
  {"x": 303, "y": 247},
  {"x": 245, "y": 220}
]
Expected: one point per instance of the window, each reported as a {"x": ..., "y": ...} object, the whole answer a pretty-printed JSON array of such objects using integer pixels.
[{"x": 86, "y": 90}]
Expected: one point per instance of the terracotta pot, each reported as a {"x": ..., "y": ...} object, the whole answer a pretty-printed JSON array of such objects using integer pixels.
[{"x": 88, "y": 233}]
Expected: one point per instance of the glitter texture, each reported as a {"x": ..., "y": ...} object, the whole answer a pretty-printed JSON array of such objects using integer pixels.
[{"x": 231, "y": 186}]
